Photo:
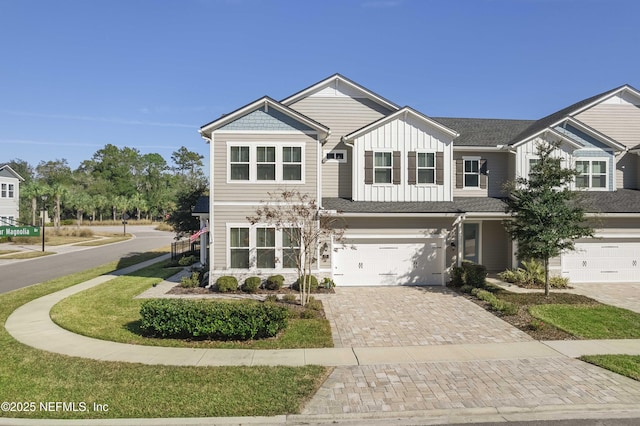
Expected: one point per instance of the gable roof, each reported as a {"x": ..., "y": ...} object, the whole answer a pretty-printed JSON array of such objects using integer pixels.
[
  {"x": 6, "y": 169},
  {"x": 483, "y": 132},
  {"x": 402, "y": 112},
  {"x": 268, "y": 103},
  {"x": 338, "y": 78},
  {"x": 557, "y": 117}
]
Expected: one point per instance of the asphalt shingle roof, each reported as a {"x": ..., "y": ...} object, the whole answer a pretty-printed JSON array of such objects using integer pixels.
[
  {"x": 620, "y": 201},
  {"x": 484, "y": 131}
]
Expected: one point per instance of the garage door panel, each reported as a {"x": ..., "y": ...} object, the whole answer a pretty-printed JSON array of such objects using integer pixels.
[
  {"x": 603, "y": 262},
  {"x": 378, "y": 263}
]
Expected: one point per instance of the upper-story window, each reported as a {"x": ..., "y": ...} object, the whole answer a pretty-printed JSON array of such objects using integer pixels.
[
  {"x": 239, "y": 163},
  {"x": 291, "y": 163},
  {"x": 7, "y": 190},
  {"x": 338, "y": 155},
  {"x": 426, "y": 167},
  {"x": 593, "y": 174},
  {"x": 472, "y": 173},
  {"x": 266, "y": 163},
  {"x": 382, "y": 167}
]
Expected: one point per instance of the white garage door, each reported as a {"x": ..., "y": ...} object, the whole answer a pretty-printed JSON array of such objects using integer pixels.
[
  {"x": 602, "y": 261},
  {"x": 397, "y": 262}
]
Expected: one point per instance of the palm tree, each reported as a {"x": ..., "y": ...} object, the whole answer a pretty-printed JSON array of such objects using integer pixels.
[
  {"x": 34, "y": 190},
  {"x": 57, "y": 191}
]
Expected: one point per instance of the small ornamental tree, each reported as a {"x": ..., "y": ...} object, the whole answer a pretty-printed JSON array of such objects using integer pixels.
[
  {"x": 304, "y": 229},
  {"x": 546, "y": 216}
]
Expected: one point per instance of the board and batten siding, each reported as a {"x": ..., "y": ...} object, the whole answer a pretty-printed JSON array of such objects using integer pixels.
[
  {"x": 528, "y": 151},
  {"x": 402, "y": 136},
  {"x": 498, "y": 173},
  {"x": 343, "y": 115},
  {"x": 247, "y": 191}
]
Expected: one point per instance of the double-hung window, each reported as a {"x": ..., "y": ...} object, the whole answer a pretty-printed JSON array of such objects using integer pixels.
[
  {"x": 239, "y": 163},
  {"x": 292, "y": 163},
  {"x": 3, "y": 193},
  {"x": 266, "y": 162},
  {"x": 593, "y": 174},
  {"x": 426, "y": 165},
  {"x": 472, "y": 173},
  {"x": 266, "y": 248},
  {"x": 290, "y": 247},
  {"x": 382, "y": 167},
  {"x": 239, "y": 248}
]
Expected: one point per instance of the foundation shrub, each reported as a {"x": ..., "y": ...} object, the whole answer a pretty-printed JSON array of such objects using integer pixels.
[
  {"x": 251, "y": 284},
  {"x": 313, "y": 283},
  {"x": 191, "y": 281},
  {"x": 470, "y": 274},
  {"x": 187, "y": 260},
  {"x": 227, "y": 283},
  {"x": 216, "y": 320},
  {"x": 274, "y": 282}
]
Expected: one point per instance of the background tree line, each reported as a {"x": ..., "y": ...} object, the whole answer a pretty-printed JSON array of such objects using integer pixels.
[{"x": 114, "y": 182}]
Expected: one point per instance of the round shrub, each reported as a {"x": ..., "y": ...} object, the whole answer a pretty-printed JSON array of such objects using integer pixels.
[
  {"x": 251, "y": 284},
  {"x": 274, "y": 282},
  {"x": 226, "y": 284},
  {"x": 311, "y": 280}
]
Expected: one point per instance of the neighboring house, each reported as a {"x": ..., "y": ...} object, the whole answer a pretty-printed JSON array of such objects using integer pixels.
[
  {"x": 9, "y": 196},
  {"x": 418, "y": 194}
]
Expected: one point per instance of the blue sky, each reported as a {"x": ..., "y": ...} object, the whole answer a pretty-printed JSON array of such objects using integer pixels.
[{"x": 76, "y": 75}]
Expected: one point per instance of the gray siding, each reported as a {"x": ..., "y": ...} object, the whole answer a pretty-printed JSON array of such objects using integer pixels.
[
  {"x": 265, "y": 119},
  {"x": 498, "y": 174},
  {"x": 496, "y": 246},
  {"x": 342, "y": 115},
  {"x": 242, "y": 191}
]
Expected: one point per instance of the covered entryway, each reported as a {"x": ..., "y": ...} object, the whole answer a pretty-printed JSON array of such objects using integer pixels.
[
  {"x": 367, "y": 262},
  {"x": 603, "y": 261}
]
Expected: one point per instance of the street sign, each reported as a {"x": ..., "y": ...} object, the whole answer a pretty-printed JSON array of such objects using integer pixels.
[{"x": 19, "y": 231}]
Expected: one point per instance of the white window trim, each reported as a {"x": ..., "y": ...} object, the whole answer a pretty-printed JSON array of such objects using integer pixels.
[
  {"x": 590, "y": 160},
  {"x": 335, "y": 160},
  {"x": 253, "y": 247},
  {"x": 390, "y": 151},
  {"x": 435, "y": 167},
  {"x": 464, "y": 183},
  {"x": 253, "y": 163}
]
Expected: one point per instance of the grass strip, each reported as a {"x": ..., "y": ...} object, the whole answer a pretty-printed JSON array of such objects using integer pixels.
[
  {"x": 627, "y": 365},
  {"x": 591, "y": 322},
  {"x": 110, "y": 312},
  {"x": 135, "y": 390}
]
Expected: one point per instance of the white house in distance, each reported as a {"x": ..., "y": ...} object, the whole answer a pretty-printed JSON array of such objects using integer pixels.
[
  {"x": 418, "y": 194},
  {"x": 9, "y": 196}
]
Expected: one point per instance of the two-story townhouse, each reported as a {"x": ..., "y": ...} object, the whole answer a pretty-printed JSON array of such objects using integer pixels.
[
  {"x": 417, "y": 194},
  {"x": 9, "y": 196}
]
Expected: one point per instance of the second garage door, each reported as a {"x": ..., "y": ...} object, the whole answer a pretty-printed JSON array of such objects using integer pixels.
[
  {"x": 603, "y": 261},
  {"x": 397, "y": 262}
]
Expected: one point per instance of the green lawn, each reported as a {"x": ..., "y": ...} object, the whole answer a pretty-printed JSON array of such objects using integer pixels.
[
  {"x": 591, "y": 322},
  {"x": 110, "y": 312},
  {"x": 627, "y": 365},
  {"x": 135, "y": 390}
]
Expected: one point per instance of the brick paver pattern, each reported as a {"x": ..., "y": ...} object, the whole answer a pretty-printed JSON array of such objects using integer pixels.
[
  {"x": 523, "y": 383},
  {"x": 411, "y": 316}
]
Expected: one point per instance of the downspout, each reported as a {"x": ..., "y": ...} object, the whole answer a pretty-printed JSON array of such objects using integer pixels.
[{"x": 203, "y": 253}]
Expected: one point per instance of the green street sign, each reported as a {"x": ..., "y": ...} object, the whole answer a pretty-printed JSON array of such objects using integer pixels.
[{"x": 19, "y": 231}]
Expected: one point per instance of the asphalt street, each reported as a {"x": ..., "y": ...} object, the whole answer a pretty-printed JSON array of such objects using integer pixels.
[{"x": 18, "y": 274}]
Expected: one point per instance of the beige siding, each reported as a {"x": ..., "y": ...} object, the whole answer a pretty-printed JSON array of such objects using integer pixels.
[
  {"x": 498, "y": 174},
  {"x": 342, "y": 115},
  {"x": 222, "y": 216},
  {"x": 242, "y": 191},
  {"x": 619, "y": 121},
  {"x": 496, "y": 243},
  {"x": 627, "y": 171}
]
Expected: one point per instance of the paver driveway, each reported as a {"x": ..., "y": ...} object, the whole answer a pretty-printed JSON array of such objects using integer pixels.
[
  {"x": 411, "y": 316},
  {"x": 623, "y": 295}
]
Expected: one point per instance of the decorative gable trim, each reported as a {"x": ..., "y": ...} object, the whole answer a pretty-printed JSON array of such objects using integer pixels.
[
  {"x": 266, "y": 103},
  {"x": 335, "y": 80},
  {"x": 6, "y": 170},
  {"x": 596, "y": 134}
]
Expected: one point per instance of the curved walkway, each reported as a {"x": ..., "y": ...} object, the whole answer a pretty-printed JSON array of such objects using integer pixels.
[{"x": 493, "y": 381}]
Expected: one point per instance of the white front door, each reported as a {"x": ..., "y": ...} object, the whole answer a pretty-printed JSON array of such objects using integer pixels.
[
  {"x": 392, "y": 262},
  {"x": 602, "y": 261}
]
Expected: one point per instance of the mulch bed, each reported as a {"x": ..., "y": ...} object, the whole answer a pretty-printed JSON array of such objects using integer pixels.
[
  {"x": 523, "y": 320},
  {"x": 284, "y": 290}
]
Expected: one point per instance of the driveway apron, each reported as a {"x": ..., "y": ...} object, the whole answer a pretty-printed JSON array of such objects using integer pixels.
[{"x": 404, "y": 316}]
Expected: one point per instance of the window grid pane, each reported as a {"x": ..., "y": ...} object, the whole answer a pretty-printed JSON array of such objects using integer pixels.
[{"x": 471, "y": 173}]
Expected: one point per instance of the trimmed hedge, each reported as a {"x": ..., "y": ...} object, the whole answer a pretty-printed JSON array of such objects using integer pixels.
[
  {"x": 469, "y": 274},
  {"x": 251, "y": 284},
  {"x": 217, "y": 320},
  {"x": 313, "y": 283},
  {"x": 227, "y": 283},
  {"x": 274, "y": 282}
]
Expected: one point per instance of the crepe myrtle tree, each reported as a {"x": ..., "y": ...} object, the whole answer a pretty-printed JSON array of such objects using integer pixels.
[
  {"x": 546, "y": 215},
  {"x": 305, "y": 229}
]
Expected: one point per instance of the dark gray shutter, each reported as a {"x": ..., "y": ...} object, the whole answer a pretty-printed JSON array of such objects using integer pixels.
[
  {"x": 368, "y": 167},
  {"x": 459, "y": 174},
  {"x": 411, "y": 167},
  {"x": 483, "y": 174},
  {"x": 439, "y": 168},
  {"x": 396, "y": 167}
]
